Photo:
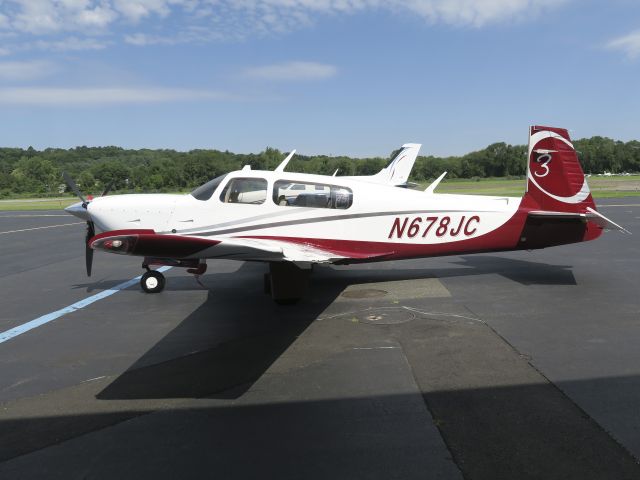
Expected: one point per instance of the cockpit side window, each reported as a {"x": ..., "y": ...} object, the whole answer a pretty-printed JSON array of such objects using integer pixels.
[
  {"x": 204, "y": 192},
  {"x": 301, "y": 194},
  {"x": 245, "y": 190}
]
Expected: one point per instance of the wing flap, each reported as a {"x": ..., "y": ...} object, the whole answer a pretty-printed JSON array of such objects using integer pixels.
[{"x": 263, "y": 249}]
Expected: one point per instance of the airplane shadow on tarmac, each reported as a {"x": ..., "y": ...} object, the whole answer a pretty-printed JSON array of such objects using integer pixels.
[
  {"x": 238, "y": 332},
  {"x": 520, "y": 271}
]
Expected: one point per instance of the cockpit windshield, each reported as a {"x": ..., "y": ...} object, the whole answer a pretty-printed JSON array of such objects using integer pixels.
[{"x": 204, "y": 192}]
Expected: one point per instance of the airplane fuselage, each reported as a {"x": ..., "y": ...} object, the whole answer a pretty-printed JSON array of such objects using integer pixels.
[{"x": 381, "y": 221}]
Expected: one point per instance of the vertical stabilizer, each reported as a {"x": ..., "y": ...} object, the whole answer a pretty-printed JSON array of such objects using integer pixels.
[{"x": 555, "y": 180}]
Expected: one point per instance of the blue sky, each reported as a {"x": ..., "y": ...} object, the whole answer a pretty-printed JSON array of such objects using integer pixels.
[{"x": 355, "y": 77}]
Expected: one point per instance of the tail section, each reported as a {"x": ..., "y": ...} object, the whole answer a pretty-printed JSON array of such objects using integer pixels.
[
  {"x": 555, "y": 180},
  {"x": 560, "y": 208},
  {"x": 398, "y": 170}
]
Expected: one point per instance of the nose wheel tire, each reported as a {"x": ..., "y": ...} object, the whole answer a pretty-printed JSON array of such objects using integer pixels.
[{"x": 152, "y": 282}]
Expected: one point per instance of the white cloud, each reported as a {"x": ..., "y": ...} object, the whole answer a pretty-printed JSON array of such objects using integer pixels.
[
  {"x": 28, "y": 70},
  {"x": 143, "y": 39},
  {"x": 171, "y": 22},
  {"x": 135, "y": 10},
  {"x": 4, "y": 21},
  {"x": 191, "y": 34},
  {"x": 51, "y": 16},
  {"x": 78, "y": 97},
  {"x": 477, "y": 12},
  {"x": 69, "y": 44},
  {"x": 292, "y": 71},
  {"x": 35, "y": 16},
  {"x": 98, "y": 17},
  {"x": 272, "y": 15},
  {"x": 629, "y": 44}
]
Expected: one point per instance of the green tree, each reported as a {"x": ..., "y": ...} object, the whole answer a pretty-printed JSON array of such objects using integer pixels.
[{"x": 36, "y": 174}]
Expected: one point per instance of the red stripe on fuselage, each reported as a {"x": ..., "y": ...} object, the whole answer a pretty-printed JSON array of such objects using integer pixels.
[{"x": 503, "y": 238}]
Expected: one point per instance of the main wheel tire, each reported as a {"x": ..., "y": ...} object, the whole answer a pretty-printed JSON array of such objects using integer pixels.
[
  {"x": 152, "y": 282},
  {"x": 267, "y": 283},
  {"x": 286, "y": 301}
]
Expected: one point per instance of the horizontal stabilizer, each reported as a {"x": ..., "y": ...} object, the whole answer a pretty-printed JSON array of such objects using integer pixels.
[
  {"x": 590, "y": 215},
  {"x": 604, "y": 222}
]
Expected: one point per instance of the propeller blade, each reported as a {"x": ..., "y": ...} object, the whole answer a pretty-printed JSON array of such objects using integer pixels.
[
  {"x": 108, "y": 189},
  {"x": 72, "y": 185},
  {"x": 88, "y": 252}
]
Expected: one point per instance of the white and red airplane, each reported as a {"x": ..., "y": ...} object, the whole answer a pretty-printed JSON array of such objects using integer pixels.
[{"x": 293, "y": 220}]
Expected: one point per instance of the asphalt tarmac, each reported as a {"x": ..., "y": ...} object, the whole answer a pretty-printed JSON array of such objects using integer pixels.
[{"x": 491, "y": 366}]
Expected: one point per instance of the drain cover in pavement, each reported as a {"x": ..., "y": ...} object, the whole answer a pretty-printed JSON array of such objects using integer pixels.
[
  {"x": 364, "y": 293},
  {"x": 387, "y": 316}
]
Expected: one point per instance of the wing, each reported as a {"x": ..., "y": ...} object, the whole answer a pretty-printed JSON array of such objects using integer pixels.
[{"x": 147, "y": 243}]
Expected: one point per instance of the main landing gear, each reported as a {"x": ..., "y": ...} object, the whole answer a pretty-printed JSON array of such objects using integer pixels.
[
  {"x": 154, "y": 281},
  {"x": 286, "y": 282}
]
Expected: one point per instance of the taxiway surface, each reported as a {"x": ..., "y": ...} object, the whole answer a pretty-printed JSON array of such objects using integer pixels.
[{"x": 510, "y": 365}]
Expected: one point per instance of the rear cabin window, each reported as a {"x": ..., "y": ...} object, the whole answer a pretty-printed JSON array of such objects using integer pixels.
[
  {"x": 315, "y": 195},
  {"x": 245, "y": 190}
]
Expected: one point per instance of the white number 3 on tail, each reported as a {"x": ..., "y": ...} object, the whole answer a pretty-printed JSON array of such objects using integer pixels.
[{"x": 543, "y": 159}]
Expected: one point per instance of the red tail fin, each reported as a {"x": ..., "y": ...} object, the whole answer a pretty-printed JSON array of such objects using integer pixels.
[{"x": 554, "y": 176}]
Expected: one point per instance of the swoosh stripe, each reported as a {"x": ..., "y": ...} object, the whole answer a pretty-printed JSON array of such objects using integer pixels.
[{"x": 305, "y": 221}]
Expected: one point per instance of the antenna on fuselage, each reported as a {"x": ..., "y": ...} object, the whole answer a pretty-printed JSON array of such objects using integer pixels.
[
  {"x": 281, "y": 167},
  {"x": 435, "y": 183}
]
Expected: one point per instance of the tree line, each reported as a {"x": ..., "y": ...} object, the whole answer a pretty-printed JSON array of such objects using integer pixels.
[{"x": 30, "y": 171}]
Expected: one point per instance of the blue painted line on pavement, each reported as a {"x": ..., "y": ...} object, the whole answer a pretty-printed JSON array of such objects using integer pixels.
[{"x": 49, "y": 317}]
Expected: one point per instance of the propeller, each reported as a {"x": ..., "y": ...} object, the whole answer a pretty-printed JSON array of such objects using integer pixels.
[
  {"x": 88, "y": 251},
  {"x": 108, "y": 188},
  {"x": 91, "y": 229},
  {"x": 74, "y": 188}
]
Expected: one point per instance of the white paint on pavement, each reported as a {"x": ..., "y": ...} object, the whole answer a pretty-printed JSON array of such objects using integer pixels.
[
  {"x": 35, "y": 215},
  {"x": 49, "y": 317},
  {"x": 40, "y": 228}
]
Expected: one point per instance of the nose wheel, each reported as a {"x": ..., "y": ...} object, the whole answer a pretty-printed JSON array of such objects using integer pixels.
[{"x": 152, "y": 281}]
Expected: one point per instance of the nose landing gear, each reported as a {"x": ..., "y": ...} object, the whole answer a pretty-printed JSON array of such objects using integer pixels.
[{"x": 152, "y": 281}]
